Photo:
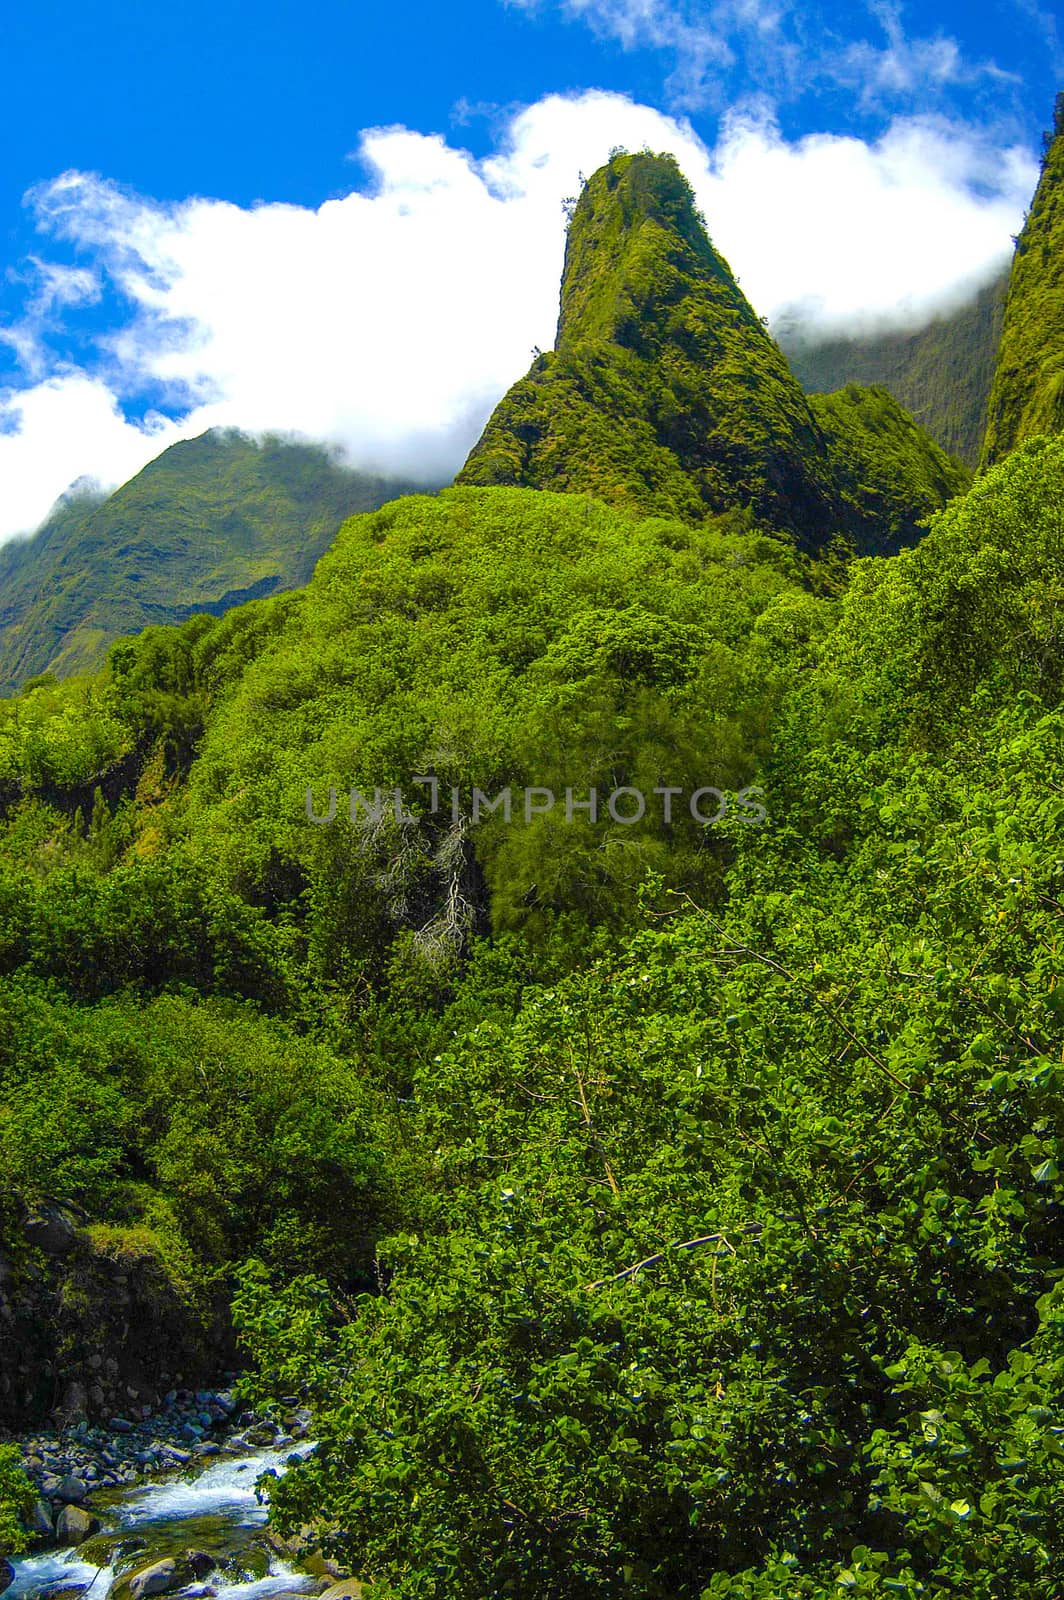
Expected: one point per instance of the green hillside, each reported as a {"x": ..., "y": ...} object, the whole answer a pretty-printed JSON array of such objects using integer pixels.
[
  {"x": 666, "y": 394},
  {"x": 1027, "y": 397},
  {"x": 211, "y": 522},
  {"x": 941, "y": 373},
  {"x": 572, "y": 1003},
  {"x": 711, "y": 1167},
  {"x": 883, "y": 462}
]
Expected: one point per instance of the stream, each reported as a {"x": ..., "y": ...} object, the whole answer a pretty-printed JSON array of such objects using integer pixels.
[{"x": 217, "y": 1511}]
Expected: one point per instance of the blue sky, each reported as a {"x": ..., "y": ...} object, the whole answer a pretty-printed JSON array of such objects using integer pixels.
[{"x": 209, "y": 261}]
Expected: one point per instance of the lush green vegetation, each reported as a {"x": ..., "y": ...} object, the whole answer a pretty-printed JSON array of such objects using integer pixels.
[
  {"x": 211, "y": 522},
  {"x": 823, "y": 1108},
  {"x": 668, "y": 1207},
  {"x": 886, "y": 463},
  {"x": 940, "y": 373},
  {"x": 16, "y": 1495},
  {"x": 824, "y": 1049},
  {"x": 1027, "y": 397}
]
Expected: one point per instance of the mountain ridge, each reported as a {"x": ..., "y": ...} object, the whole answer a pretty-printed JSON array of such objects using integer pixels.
[
  {"x": 210, "y": 523},
  {"x": 666, "y": 394}
]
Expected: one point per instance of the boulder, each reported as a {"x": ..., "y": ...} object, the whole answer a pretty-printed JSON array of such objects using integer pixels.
[
  {"x": 7, "y": 1574},
  {"x": 40, "y": 1520},
  {"x": 162, "y": 1577},
  {"x": 71, "y": 1490},
  {"x": 52, "y": 1230},
  {"x": 74, "y": 1526},
  {"x": 200, "y": 1562},
  {"x": 348, "y": 1589},
  {"x": 263, "y": 1434}
]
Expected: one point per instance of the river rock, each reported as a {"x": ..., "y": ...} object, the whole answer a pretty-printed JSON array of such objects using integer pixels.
[
  {"x": 63, "y": 1591},
  {"x": 200, "y": 1562},
  {"x": 74, "y": 1526},
  {"x": 40, "y": 1520},
  {"x": 263, "y": 1434},
  {"x": 349, "y": 1589},
  {"x": 71, "y": 1490},
  {"x": 162, "y": 1577},
  {"x": 7, "y": 1574}
]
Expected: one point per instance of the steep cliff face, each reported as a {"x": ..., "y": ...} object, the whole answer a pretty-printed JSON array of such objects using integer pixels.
[
  {"x": 940, "y": 373},
  {"x": 1027, "y": 396},
  {"x": 665, "y": 392}
]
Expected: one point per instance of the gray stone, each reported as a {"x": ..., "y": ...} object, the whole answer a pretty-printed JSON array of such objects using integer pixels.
[
  {"x": 71, "y": 1490},
  {"x": 74, "y": 1526},
  {"x": 162, "y": 1577},
  {"x": 51, "y": 1229},
  {"x": 41, "y": 1520},
  {"x": 7, "y": 1574}
]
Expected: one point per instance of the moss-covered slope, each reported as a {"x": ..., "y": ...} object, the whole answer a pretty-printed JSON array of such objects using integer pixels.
[
  {"x": 211, "y": 522},
  {"x": 884, "y": 462},
  {"x": 1027, "y": 397},
  {"x": 665, "y": 392}
]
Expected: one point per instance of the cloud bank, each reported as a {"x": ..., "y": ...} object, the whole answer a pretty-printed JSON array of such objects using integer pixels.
[{"x": 390, "y": 320}]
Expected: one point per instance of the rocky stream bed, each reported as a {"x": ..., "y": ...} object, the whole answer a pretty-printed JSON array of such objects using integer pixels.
[{"x": 166, "y": 1503}]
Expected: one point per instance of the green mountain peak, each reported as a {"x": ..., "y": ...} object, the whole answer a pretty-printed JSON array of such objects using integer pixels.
[
  {"x": 635, "y": 236},
  {"x": 666, "y": 395}
]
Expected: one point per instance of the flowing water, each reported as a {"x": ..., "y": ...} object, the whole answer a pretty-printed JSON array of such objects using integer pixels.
[{"x": 217, "y": 1510}]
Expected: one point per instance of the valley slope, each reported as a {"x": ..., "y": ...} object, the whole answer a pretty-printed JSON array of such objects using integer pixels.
[
  {"x": 211, "y": 522},
  {"x": 940, "y": 373}
]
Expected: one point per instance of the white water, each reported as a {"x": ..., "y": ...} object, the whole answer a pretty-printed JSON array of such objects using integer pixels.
[
  {"x": 224, "y": 1489},
  {"x": 35, "y": 1573}
]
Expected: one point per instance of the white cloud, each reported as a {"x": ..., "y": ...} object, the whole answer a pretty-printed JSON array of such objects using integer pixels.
[
  {"x": 390, "y": 321},
  {"x": 63, "y": 429},
  {"x": 904, "y": 66},
  {"x": 850, "y": 236},
  {"x": 784, "y": 47}
]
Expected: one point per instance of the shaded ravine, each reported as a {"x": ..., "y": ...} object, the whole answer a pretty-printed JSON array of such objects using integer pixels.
[{"x": 218, "y": 1511}]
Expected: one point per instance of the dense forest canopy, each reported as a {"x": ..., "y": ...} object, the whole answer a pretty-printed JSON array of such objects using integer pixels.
[{"x": 661, "y": 1204}]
